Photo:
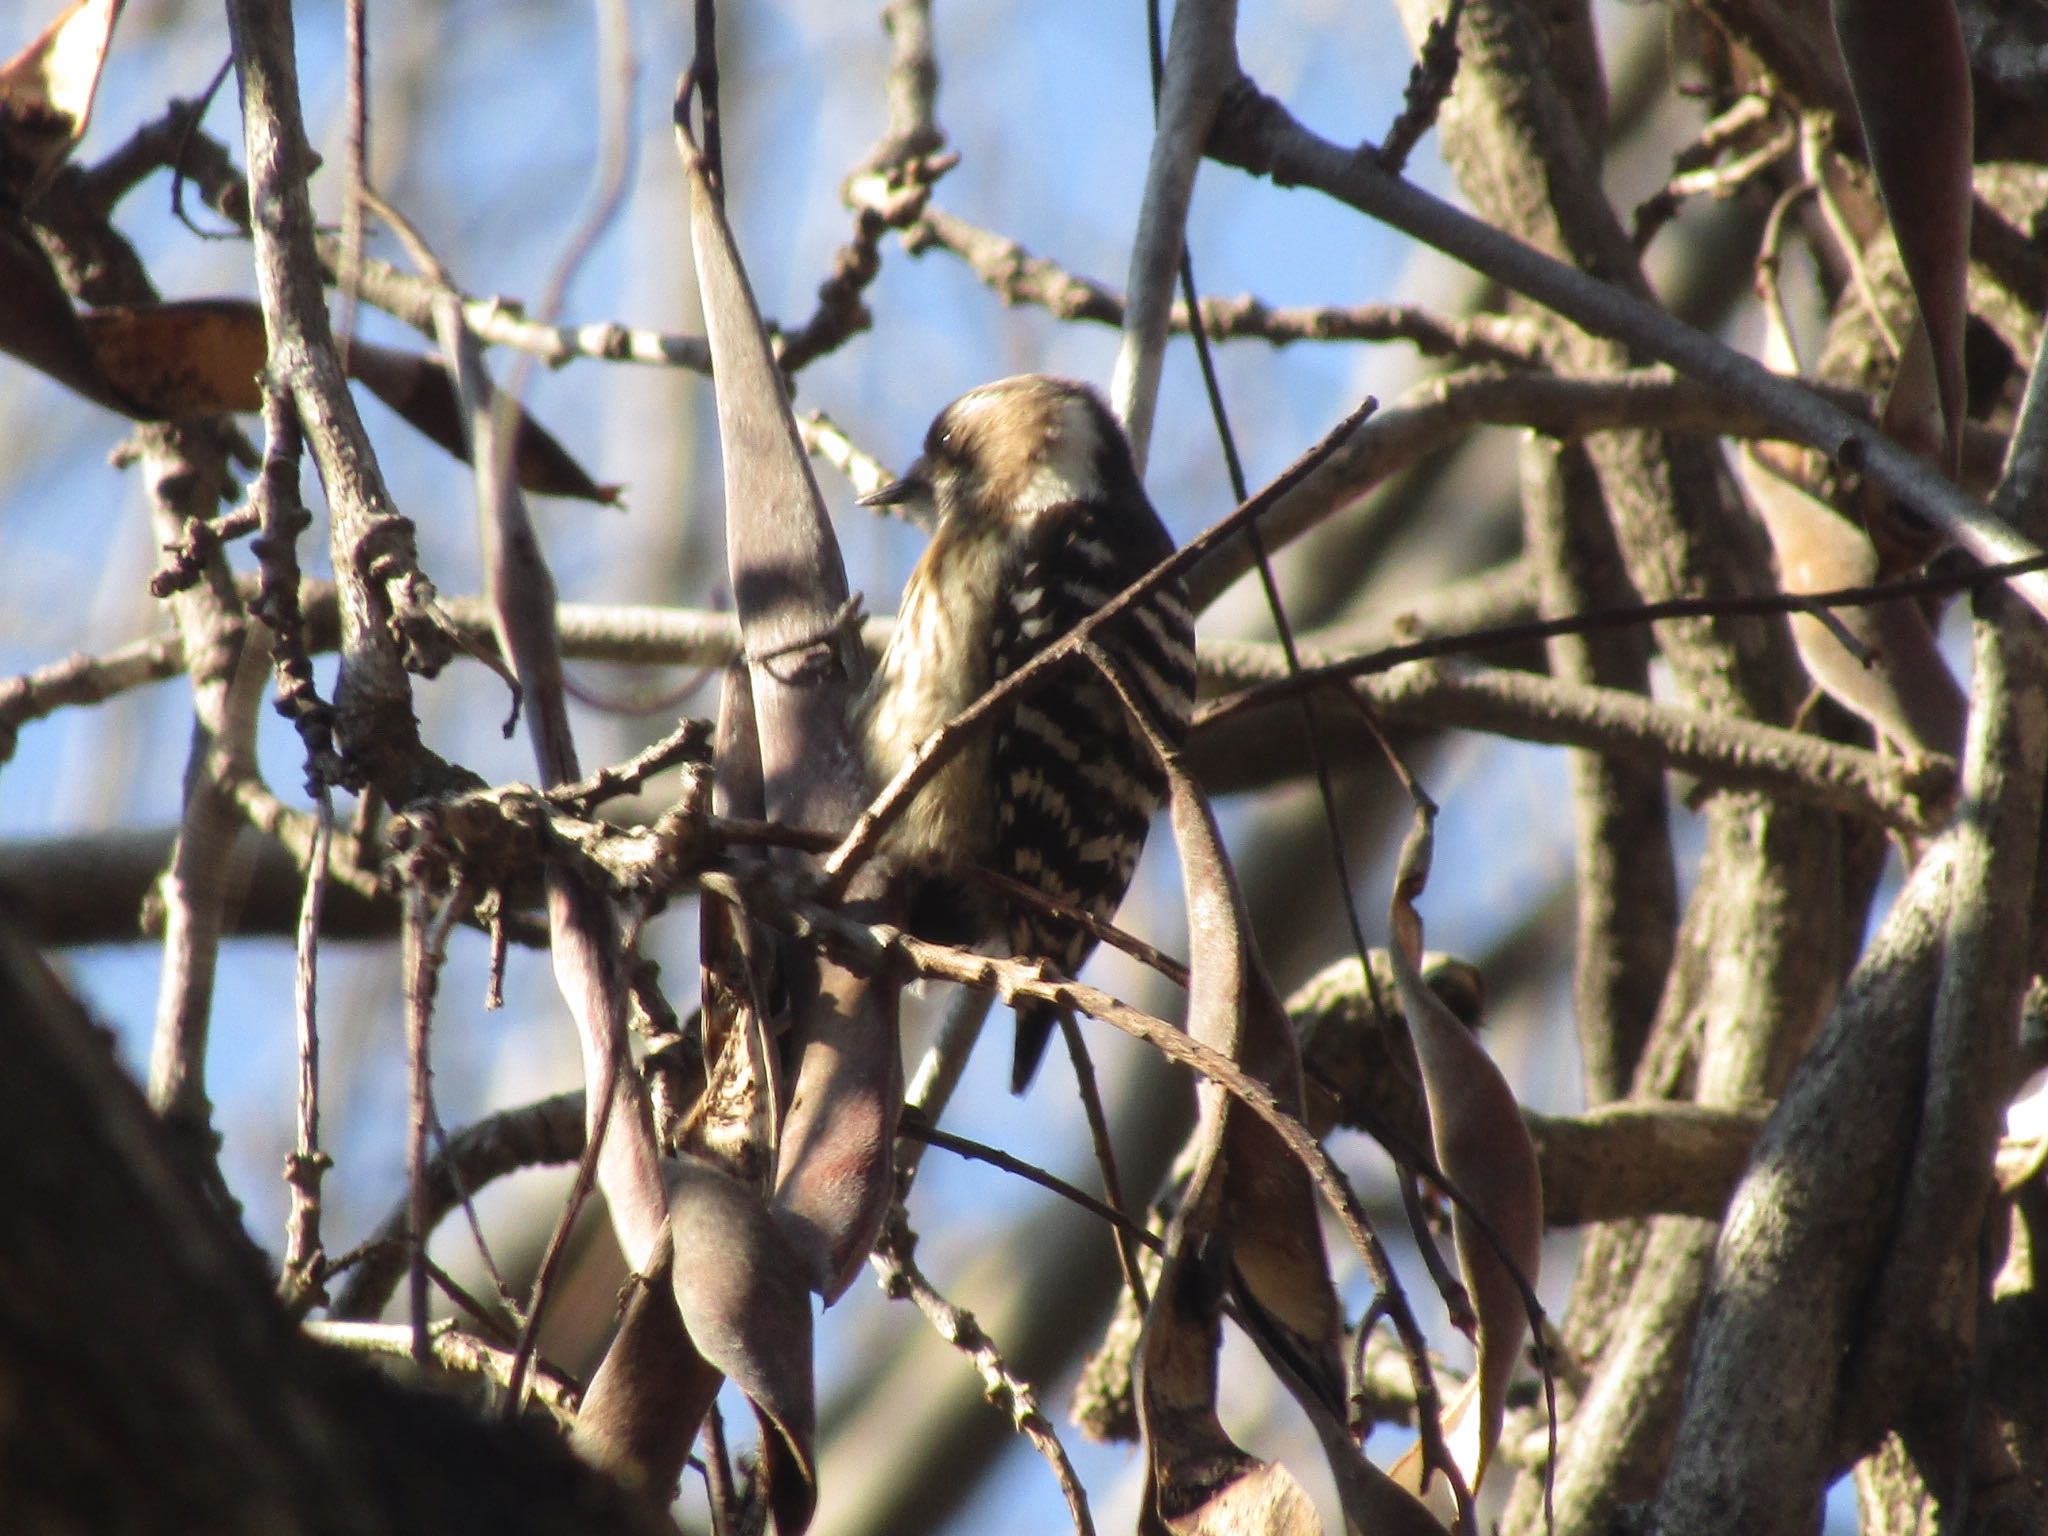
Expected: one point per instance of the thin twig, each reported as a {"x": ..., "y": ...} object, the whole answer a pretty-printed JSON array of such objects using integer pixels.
[
  {"x": 533, "y": 1135},
  {"x": 84, "y": 680},
  {"x": 355, "y": 50},
  {"x": 917, "y": 1129},
  {"x": 689, "y": 742},
  {"x": 426, "y": 937},
  {"x": 1430, "y": 80},
  {"x": 452, "y": 1350},
  {"x": 718, "y": 1483},
  {"x": 1816, "y": 150},
  {"x": 303, "y": 1258},
  {"x": 227, "y": 657},
  {"x": 913, "y": 86},
  {"x": 1105, "y": 1157},
  {"x": 1019, "y": 277},
  {"x": 276, "y": 601},
  {"x": 895, "y": 1262},
  {"x": 1719, "y": 749},
  {"x": 185, "y": 559}
]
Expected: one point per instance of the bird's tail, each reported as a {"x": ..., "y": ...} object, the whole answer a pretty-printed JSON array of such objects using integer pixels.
[{"x": 1035, "y": 1022}]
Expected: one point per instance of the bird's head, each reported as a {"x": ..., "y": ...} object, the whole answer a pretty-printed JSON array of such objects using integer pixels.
[{"x": 1011, "y": 451}]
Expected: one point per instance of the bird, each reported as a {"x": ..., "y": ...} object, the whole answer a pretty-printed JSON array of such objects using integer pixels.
[{"x": 1038, "y": 519}]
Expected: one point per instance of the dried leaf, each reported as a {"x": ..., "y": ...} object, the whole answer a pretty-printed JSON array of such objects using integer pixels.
[
  {"x": 834, "y": 1178},
  {"x": 725, "y": 1298},
  {"x": 204, "y": 357},
  {"x": 46, "y": 94},
  {"x": 1360, "y": 1071},
  {"x": 736, "y": 788},
  {"x": 198, "y": 357},
  {"x": 662, "y": 1381},
  {"x": 806, "y": 666},
  {"x": 788, "y": 581},
  {"x": 1374, "y": 1503},
  {"x": 1264, "y": 1499},
  {"x": 733, "y": 1123},
  {"x": 651, "y": 1391},
  {"x": 1889, "y": 670},
  {"x": 1192, "y": 1465},
  {"x": 1906, "y": 691},
  {"x": 1246, "y": 1497},
  {"x": 745, "y": 1300},
  {"x": 1248, "y": 1224},
  {"x": 419, "y": 389},
  {"x": 1269, "y": 1204},
  {"x": 1196, "y": 1476},
  {"x": 1913, "y": 412},
  {"x": 1909, "y": 72},
  {"x": 1483, "y": 1149}
]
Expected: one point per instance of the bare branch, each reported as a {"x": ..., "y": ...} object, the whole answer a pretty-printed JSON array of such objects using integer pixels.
[
  {"x": 1258, "y": 134},
  {"x": 388, "y": 624},
  {"x": 896, "y": 1267},
  {"x": 1018, "y": 277}
]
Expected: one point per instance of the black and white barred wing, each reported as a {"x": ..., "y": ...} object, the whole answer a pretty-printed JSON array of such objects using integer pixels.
[{"x": 1076, "y": 781}]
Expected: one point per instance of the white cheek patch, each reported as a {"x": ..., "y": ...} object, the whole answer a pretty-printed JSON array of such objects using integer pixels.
[{"x": 1065, "y": 471}]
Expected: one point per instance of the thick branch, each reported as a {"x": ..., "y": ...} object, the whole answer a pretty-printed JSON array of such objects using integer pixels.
[{"x": 1727, "y": 753}]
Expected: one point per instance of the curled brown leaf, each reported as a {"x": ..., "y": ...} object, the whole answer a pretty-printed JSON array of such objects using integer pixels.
[
  {"x": 1909, "y": 72},
  {"x": 46, "y": 94},
  {"x": 834, "y": 1179},
  {"x": 1483, "y": 1150},
  {"x": 1248, "y": 1225}
]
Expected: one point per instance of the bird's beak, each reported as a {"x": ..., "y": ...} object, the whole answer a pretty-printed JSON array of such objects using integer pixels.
[
  {"x": 909, "y": 488},
  {"x": 894, "y": 494}
]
